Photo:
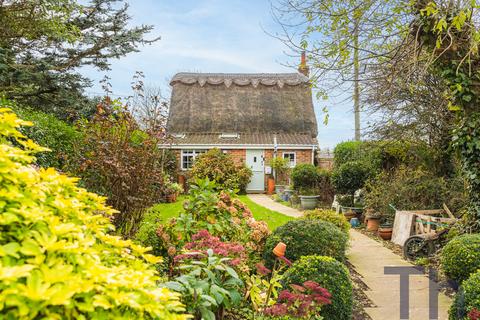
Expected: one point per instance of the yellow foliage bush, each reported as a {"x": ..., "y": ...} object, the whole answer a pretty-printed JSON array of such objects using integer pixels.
[{"x": 57, "y": 258}]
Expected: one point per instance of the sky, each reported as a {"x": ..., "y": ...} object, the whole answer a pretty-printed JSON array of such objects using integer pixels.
[{"x": 215, "y": 36}]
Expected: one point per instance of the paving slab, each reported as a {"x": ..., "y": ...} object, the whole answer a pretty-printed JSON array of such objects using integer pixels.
[{"x": 267, "y": 202}]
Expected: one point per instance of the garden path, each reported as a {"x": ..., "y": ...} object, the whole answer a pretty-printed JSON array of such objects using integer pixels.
[
  {"x": 369, "y": 258},
  {"x": 267, "y": 202}
]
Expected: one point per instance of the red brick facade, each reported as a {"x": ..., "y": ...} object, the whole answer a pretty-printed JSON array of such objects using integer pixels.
[{"x": 239, "y": 156}]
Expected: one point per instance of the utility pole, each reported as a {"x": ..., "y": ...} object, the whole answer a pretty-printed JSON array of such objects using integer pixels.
[{"x": 356, "y": 83}]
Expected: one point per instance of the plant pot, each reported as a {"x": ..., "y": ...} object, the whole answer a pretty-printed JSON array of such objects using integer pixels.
[
  {"x": 349, "y": 214},
  {"x": 270, "y": 186},
  {"x": 372, "y": 223},
  {"x": 288, "y": 194},
  {"x": 170, "y": 198},
  {"x": 279, "y": 188},
  {"x": 182, "y": 182},
  {"x": 308, "y": 202},
  {"x": 385, "y": 232}
]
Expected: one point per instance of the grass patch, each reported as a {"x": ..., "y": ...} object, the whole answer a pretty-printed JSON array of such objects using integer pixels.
[
  {"x": 274, "y": 219},
  {"x": 166, "y": 211}
]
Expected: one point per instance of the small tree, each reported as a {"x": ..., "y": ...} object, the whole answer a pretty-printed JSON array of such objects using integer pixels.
[
  {"x": 305, "y": 177},
  {"x": 350, "y": 177},
  {"x": 282, "y": 169}
]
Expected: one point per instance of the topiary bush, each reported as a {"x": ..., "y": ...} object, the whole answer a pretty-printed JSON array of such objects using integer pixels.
[
  {"x": 307, "y": 237},
  {"x": 329, "y": 215},
  {"x": 329, "y": 274},
  {"x": 347, "y": 151},
  {"x": 350, "y": 177},
  {"x": 221, "y": 169},
  {"x": 304, "y": 176},
  {"x": 461, "y": 257},
  {"x": 467, "y": 298},
  {"x": 58, "y": 258}
]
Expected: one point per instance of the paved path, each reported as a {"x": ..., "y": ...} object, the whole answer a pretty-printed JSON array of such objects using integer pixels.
[
  {"x": 369, "y": 258},
  {"x": 267, "y": 202}
]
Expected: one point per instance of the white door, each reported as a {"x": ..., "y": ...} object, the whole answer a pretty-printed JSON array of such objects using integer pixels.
[{"x": 255, "y": 162}]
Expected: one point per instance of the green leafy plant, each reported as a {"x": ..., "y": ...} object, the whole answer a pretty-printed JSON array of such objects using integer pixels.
[
  {"x": 208, "y": 285},
  {"x": 329, "y": 215},
  {"x": 350, "y": 177},
  {"x": 307, "y": 237},
  {"x": 461, "y": 257},
  {"x": 57, "y": 256},
  {"x": 467, "y": 300},
  {"x": 409, "y": 189},
  {"x": 304, "y": 176},
  {"x": 258, "y": 286},
  {"x": 329, "y": 274},
  {"x": 52, "y": 133},
  {"x": 282, "y": 169},
  {"x": 325, "y": 187},
  {"x": 220, "y": 168}
]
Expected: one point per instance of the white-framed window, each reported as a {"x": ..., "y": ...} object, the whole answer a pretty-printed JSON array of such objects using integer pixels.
[
  {"x": 292, "y": 157},
  {"x": 188, "y": 157}
]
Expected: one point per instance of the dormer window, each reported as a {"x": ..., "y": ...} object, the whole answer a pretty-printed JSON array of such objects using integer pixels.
[{"x": 229, "y": 135}]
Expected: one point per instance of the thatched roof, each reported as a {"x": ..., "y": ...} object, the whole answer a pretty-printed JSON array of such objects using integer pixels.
[{"x": 243, "y": 103}]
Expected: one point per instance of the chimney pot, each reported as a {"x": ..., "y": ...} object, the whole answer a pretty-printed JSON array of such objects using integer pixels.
[{"x": 303, "y": 68}]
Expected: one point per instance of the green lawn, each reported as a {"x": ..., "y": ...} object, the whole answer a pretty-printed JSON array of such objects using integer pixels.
[{"x": 274, "y": 219}]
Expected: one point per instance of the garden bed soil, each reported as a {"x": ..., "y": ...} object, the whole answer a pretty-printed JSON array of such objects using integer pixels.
[
  {"x": 433, "y": 263},
  {"x": 360, "y": 299}
]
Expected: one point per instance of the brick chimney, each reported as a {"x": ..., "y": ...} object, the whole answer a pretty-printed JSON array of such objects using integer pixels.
[{"x": 303, "y": 68}]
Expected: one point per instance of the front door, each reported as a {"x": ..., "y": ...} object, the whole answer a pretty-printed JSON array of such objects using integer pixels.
[{"x": 255, "y": 162}]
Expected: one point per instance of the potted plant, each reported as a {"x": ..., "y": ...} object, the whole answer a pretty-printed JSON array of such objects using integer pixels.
[
  {"x": 308, "y": 198},
  {"x": 385, "y": 230},
  {"x": 288, "y": 193},
  {"x": 171, "y": 190},
  {"x": 372, "y": 219},
  {"x": 281, "y": 168}
]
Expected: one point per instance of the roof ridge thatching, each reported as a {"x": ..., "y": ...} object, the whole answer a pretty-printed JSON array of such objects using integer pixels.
[
  {"x": 241, "y": 79},
  {"x": 248, "y": 103}
]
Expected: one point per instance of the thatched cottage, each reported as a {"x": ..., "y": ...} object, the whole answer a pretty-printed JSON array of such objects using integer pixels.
[{"x": 251, "y": 116}]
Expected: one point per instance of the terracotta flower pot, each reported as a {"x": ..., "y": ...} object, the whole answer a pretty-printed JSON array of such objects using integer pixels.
[
  {"x": 372, "y": 224},
  {"x": 270, "y": 185},
  {"x": 385, "y": 233},
  {"x": 171, "y": 197},
  {"x": 280, "y": 249}
]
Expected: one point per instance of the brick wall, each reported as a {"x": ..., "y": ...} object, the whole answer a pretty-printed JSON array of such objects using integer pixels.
[
  {"x": 303, "y": 156},
  {"x": 239, "y": 156}
]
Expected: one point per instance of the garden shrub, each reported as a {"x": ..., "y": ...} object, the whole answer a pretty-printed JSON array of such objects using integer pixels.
[
  {"x": 206, "y": 209},
  {"x": 220, "y": 168},
  {"x": 52, "y": 133},
  {"x": 325, "y": 187},
  {"x": 461, "y": 257},
  {"x": 307, "y": 237},
  {"x": 329, "y": 215},
  {"x": 412, "y": 189},
  {"x": 331, "y": 275},
  {"x": 347, "y": 151},
  {"x": 118, "y": 160},
  {"x": 304, "y": 176},
  {"x": 58, "y": 260},
  {"x": 350, "y": 177},
  {"x": 467, "y": 299}
]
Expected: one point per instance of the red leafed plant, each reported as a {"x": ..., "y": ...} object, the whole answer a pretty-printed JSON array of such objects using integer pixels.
[
  {"x": 302, "y": 301},
  {"x": 203, "y": 240},
  {"x": 474, "y": 315}
]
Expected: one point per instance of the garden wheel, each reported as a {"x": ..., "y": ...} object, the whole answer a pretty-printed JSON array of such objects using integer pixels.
[{"x": 416, "y": 247}]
